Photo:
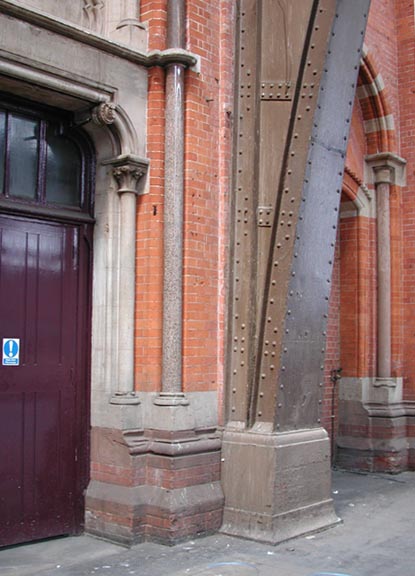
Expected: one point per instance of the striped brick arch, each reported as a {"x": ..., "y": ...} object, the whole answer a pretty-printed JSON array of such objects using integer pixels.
[{"x": 372, "y": 95}]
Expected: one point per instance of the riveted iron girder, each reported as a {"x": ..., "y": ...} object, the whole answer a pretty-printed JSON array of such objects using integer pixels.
[{"x": 295, "y": 79}]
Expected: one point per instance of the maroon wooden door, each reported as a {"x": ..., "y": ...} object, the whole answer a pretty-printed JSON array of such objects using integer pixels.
[{"x": 43, "y": 401}]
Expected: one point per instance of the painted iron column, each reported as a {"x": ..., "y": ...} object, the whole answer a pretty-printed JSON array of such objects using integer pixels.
[
  {"x": 386, "y": 170},
  {"x": 171, "y": 393}
]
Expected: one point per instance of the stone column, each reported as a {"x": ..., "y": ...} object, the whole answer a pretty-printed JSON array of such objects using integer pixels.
[
  {"x": 127, "y": 171},
  {"x": 172, "y": 393},
  {"x": 385, "y": 169}
]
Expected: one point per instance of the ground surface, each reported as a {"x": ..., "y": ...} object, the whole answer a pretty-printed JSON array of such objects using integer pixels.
[{"x": 376, "y": 538}]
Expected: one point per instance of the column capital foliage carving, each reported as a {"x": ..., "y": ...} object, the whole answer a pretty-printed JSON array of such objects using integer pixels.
[{"x": 128, "y": 171}]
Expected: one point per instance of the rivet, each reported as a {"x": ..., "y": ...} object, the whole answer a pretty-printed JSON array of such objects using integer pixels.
[
  {"x": 234, "y": 371},
  {"x": 259, "y": 413},
  {"x": 243, "y": 363},
  {"x": 266, "y": 353},
  {"x": 288, "y": 312},
  {"x": 269, "y": 319},
  {"x": 275, "y": 330},
  {"x": 261, "y": 394},
  {"x": 263, "y": 376},
  {"x": 235, "y": 349},
  {"x": 233, "y": 409},
  {"x": 243, "y": 326},
  {"x": 279, "y": 405},
  {"x": 321, "y": 384},
  {"x": 266, "y": 342},
  {"x": 234, "y": 390},
  {"x": 274, "y": 343}
]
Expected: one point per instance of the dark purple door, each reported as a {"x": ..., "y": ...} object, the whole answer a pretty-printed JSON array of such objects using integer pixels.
[{"x": 43, "y": 401}]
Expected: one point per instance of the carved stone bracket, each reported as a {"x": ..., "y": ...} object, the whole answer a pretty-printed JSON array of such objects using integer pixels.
[
  {"x": 104, "y": 114},
  {"x": 128, "y": 171}
]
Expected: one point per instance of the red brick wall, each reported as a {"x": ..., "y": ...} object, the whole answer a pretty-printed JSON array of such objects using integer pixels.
[
  {"x": 406, "y": 35},
  {"x": 332, "y": 356},
  {"x": 209, "y": 95}
]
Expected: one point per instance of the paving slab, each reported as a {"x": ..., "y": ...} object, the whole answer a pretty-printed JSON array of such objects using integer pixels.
[{"x": 375, "y": 538}]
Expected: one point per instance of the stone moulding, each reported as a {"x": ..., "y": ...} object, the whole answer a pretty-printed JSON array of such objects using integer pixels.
[
  {"x": 148, "y": 59},
  {"x": 172, "y": 443}
]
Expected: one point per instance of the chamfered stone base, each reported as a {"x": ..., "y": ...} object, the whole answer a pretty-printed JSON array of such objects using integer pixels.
[
  {"x": 129, "y": 515},
  {"x": 278, "y": 485},
  {"x": 154, "y": 485}
]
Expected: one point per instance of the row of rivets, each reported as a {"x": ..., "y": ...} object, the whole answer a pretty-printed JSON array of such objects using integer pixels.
[{"x": 308, "y": 86}]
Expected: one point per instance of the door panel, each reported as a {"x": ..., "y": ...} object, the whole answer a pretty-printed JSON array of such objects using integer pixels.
[{"x": 44, "y": 302}]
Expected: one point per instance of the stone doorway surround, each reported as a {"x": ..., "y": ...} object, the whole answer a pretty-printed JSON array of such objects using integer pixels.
[{"x": 90, "y": 58}]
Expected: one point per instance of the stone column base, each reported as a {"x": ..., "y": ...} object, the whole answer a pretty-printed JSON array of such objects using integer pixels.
[
  {"x": 154, "y": 485},
  {"x": 277, "y": 486},
  {"x": 375, "y": 432}
]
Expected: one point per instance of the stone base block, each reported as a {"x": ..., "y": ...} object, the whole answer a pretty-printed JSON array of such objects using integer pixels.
[
  {"x": 129, "y": 515},
  {"x": 277, "y": 486},
  {"x": 374, "y": 436},
  {"x": 154, "y": 484}
]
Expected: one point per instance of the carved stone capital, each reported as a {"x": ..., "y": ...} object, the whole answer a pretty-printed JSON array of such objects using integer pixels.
[
  {"x": 385, "y": 168},
  {"x": 104, "y": 114},
  {"x": 128, "y": 171}
]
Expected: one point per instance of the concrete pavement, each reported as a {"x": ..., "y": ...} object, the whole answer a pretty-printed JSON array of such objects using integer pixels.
[{"x": 376, "y": 538}]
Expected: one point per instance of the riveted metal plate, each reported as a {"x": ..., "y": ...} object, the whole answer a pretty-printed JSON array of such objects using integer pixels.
[
  {"x": 276, "y": 90},
  {"x": 266, "y": 398},
  {"x": 303, "y": 344},
  {"x": 263, "y": 130},
  {"x": 265, "y": 215}
]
